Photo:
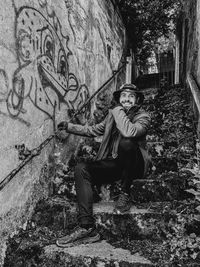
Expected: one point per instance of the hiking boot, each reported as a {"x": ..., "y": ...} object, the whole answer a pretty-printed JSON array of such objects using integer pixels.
[
  {"x": 123, "y": 204},
  {"x": 79, "y": 236}
]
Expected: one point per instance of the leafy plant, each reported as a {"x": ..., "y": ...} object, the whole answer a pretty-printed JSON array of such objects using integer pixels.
[
  {"x": 195, "y": 182},
  {"x": 146, "y": 21}
]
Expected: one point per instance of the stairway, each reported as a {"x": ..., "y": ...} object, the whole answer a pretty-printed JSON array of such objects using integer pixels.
[{"x": 162, "y": 227}]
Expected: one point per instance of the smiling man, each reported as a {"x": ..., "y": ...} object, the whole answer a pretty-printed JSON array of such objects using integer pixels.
[
  {"x": 122, "y": 156},
  {"x": 127, "y": 99}
]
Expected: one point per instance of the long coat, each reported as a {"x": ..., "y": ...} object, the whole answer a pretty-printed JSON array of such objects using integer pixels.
[{"x": 132, "y": 125}]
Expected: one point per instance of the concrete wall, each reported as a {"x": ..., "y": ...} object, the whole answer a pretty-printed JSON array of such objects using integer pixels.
[
  {"x": 53, "y": 56},
  {"x": 188, "y": 35}
]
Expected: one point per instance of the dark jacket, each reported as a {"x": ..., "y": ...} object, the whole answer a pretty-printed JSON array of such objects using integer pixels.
[{"x": 132, "y": 125}]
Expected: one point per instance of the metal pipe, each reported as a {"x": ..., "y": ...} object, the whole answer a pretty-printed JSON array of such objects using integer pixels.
[
  {"x": 100, "y": 88},
  {"x": 196, "y": 96},
  {"x": 194, "y": 90}
]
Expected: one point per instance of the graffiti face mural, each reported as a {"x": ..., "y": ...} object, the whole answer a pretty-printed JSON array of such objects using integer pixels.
[{"x": 43, "y": 75}]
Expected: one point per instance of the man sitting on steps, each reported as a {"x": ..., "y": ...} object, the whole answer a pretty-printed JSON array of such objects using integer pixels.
[{"x": 121, "y": 156}]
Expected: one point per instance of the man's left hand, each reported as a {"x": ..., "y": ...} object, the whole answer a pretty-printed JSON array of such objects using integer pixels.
[{"x": 63, "y": 126}]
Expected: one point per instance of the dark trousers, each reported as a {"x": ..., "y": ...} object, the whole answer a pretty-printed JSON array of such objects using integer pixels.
[{"x": 127, "y": 166}]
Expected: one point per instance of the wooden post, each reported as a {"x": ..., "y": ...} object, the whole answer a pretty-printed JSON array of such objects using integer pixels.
[
  {"x": 177, "y": 60},
  {"x": 129, "y": 65}
]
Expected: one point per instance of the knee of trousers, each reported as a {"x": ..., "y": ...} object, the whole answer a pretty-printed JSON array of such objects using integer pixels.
[
  {"x": 81, "y": 171},
  {"x": 128, "y": 144}
]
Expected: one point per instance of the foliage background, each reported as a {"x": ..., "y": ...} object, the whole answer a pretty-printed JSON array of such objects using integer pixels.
[{"x": 146, "y": 22}]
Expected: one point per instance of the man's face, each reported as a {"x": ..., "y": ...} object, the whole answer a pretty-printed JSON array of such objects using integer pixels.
[{"x": 127, "y": 99}]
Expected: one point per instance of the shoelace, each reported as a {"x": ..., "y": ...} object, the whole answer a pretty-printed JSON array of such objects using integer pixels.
[{"x": 76, "y": 231}]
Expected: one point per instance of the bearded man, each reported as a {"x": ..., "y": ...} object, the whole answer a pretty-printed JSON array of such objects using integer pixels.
[{"x": 122, "y": 156}]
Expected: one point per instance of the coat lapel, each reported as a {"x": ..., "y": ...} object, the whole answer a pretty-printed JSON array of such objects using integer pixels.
[{"x": 104, "y": 149}]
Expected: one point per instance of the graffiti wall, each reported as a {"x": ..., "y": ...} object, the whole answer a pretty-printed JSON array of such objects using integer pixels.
[
  {"x": 53, "y": 56},
  {"x": 42, "y": 77}
]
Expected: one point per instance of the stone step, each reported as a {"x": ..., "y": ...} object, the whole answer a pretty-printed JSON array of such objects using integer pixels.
[
  {"x": 97, "y": 254},
  {"x": 159, "y": 190},
  {"x": 162, "y": 188},
  {"x": 138, "y": 223},
  {"x": 150, "y": 221},
  {"x": 148, "y": 229}
]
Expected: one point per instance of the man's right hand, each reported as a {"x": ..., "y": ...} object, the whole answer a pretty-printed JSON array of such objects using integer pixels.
[
  {"x": 63, "y": 126},
  {"x": 114, "y": 103}
]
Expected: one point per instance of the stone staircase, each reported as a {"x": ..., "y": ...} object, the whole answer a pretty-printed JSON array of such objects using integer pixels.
[
  {"x": 137, "y": 238},
  {"x": 104, "y": 253},
  {"x": 162, "y": 227}
]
